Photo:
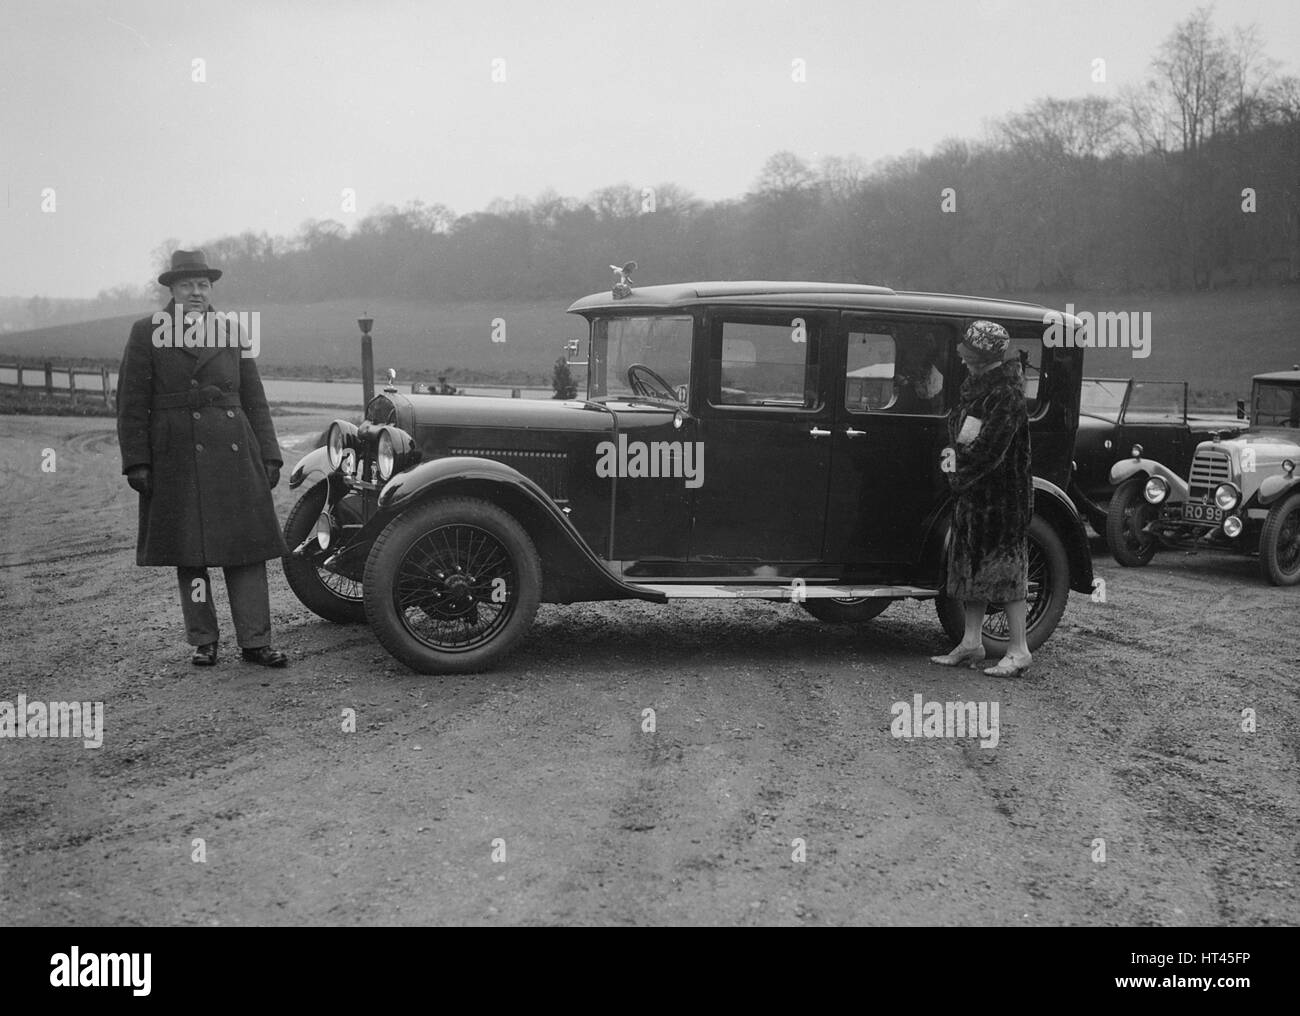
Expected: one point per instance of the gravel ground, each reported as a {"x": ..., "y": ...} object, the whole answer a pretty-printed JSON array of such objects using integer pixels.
[{"x": 772, "y": 789}]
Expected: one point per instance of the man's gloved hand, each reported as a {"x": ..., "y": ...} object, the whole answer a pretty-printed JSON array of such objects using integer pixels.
[
  {"x": 140, "y": 479},
  {"x": 272, "y": 473}
]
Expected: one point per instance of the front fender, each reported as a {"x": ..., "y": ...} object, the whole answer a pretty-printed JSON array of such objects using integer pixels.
[
  {"x": 1126, "y": 468},
  {"x": 314, "y": 465},
  {"x": 1276, "y": 487},
  {"x": 571, "y": 571}
]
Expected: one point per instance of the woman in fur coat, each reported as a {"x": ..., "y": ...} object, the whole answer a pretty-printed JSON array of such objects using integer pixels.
[{"x": 994, "y": 497}]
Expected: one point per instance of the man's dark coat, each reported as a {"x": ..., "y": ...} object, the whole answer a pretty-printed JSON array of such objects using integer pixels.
[
  {"x": 994, "y": 489},
  {"x": 199, "y": 418}
]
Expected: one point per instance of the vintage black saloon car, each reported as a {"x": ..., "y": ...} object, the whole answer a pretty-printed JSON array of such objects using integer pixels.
[
  {"x": 1241, "y": 492},
  {"x": 781, "y": 441},
  {"x": 1117, "y": 413}
]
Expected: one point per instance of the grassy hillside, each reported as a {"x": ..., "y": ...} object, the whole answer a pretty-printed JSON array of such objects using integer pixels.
[
  {"x": 322, "y": 339},
  {"x": 1215, "y": 341}
]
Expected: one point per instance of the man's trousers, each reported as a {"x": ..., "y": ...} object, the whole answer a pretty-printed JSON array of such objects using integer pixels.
[{"x": 250, "y": 604}]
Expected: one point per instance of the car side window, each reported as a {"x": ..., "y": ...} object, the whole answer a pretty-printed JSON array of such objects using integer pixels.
[
  {"x": 897, "y": 368},
  {"x": 1029, "y": 350},
  {"x": 766, "y": 364}
]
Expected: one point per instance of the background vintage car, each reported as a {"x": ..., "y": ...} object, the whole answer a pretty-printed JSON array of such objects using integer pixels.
[
  {"x": 1240, "y": 493},
  {"x": 796, "y": 432},
  {"x": 1117, "y": 413}
]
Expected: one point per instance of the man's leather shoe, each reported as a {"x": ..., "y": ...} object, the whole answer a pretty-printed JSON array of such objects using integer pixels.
[
  {"x": 265, "y": 656},
  {"x": 205, "y": 656}
]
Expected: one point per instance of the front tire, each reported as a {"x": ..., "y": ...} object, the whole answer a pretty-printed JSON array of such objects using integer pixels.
[
  {"x": 452, "y": 585},
  {"x": 1279, "y": 543},
  {"x": 333, "y": 597},
  {"x": 1048, "y": 592},
  {"x": 846, "y": 610},
  {"x": 1129, "y": 513}
]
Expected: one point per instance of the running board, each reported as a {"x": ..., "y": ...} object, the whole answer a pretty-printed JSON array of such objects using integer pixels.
[{"x": 795, "y": 590}]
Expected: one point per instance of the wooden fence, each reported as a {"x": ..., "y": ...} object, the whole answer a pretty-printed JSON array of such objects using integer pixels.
[{"x": 58, "y": 380}]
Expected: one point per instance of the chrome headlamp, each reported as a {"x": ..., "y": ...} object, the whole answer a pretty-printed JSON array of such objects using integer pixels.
[
  {"x": 394, "y": 452},
  {"x": 1156, "y": 489},
  {"x": 341, "y": 436},
  {"x": 1227, "y": 496}
]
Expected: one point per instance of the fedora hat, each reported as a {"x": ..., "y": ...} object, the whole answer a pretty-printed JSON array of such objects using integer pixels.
[{"x": 186, "y": 263}]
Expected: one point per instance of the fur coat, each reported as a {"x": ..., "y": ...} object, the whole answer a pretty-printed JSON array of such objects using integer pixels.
[{"x": 992, "y": 487}]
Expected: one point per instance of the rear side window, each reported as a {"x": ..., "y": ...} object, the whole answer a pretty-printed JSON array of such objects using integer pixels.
[
  {"x": 771, "y": 363},
  {"x": 898, "y": 367}
]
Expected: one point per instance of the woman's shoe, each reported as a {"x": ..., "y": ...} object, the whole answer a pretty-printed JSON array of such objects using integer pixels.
[
  {"x": 1010, "y": 666},
  {"x": 969, "y": 657}
]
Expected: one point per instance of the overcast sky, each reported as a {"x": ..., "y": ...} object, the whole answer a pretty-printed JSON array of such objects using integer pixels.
[{"x": 397, "y": 101}]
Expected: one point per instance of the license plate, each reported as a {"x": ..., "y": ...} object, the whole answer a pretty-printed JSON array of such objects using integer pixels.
[{"x": 1202, "y": 513}]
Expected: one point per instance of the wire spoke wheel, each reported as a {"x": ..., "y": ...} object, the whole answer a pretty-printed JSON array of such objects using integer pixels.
[
  {"x": 454, "y": 589},
  {"x": 451, "y": 585},
  {"x": 1038, "y": 598},
  {"x": 1279, "y": 543},
  {"x": 1128, "y": 516},
  {"x": 1048, "y": 589},
  {"x": 328, "y": 594}
]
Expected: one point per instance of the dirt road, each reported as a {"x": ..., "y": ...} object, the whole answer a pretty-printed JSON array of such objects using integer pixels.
[{"x": 771, "y": 790}]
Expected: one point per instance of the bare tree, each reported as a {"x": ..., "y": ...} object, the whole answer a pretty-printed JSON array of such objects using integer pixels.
[
  {"x": 784, "y": 173},
  {"x": 1194, "y": 67}
]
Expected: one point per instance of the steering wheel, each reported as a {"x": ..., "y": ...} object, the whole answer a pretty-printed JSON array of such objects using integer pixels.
[{"x": 640, "y": 385}]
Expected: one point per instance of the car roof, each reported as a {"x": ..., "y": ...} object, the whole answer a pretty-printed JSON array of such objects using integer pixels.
[
  {"x": 1279, "y": 375},
  {"x": 837, "y": 295}
]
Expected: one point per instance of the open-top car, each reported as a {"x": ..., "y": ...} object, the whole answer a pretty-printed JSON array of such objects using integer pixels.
[
  {"x": 1240, "y": 493},
  {"x": 1117, "y": 413},
  {"x": 774, "y": 440}
]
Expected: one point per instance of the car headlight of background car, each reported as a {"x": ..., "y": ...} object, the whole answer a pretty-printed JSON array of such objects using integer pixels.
[
  {"x": 1156, "y": 489},
  {"x": 1227, "y": 496}
]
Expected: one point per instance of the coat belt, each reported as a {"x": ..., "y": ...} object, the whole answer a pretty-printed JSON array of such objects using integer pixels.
[{"x": 195, "y": 398}]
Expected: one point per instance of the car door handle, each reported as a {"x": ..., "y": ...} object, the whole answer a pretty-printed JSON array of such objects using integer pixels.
[
  {"x": 818, "y": 432},
  {"x": 855, "y": 433}
]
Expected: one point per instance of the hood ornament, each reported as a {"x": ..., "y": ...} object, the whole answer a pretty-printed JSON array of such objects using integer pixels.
[
  {"x": 623, "y": 279},
  {"x": 392, "y": 381}
]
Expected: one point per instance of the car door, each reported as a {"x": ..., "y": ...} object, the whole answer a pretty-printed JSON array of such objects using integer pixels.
[
  {"x": 894, "y": 381},
  {"x": 764, "y": 422},
  {"x": 1155, "y": 416}
]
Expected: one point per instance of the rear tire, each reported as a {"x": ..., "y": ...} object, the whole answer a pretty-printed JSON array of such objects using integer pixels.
[
  {"x": 452, "y": 585},
  {"x": 1049, "y": 590},
  {"x": 1279, "y": 543}
]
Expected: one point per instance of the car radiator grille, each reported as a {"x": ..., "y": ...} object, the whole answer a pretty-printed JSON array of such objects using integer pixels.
[
  {"x": 1209, "y": 469},
  {"x": 546, "y": 469}
]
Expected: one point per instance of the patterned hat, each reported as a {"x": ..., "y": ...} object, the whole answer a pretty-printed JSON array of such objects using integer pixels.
[{"x": 987, "y": 340}]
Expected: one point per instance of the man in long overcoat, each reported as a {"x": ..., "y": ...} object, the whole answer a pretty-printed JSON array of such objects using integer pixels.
[{"x": 199, "y": 447}]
